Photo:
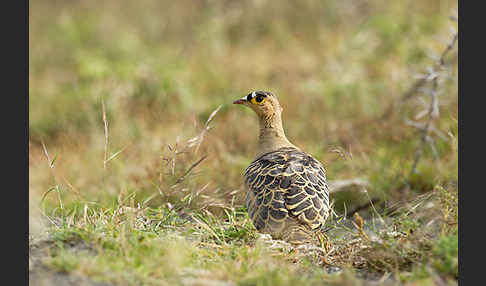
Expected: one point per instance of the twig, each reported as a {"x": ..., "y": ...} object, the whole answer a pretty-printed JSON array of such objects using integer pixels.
[
  {"x": 425, "y": 130},
  {"x": 433, "y": 111},
  {"x": 413, "y": 90}
]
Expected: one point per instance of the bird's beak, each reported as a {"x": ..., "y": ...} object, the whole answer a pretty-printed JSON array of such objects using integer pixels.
[{"x": 240, "y": 101}]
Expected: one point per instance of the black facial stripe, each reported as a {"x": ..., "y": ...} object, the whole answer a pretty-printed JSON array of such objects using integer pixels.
[
  {"x": 262, "y": 93},
  {"x": 259, "y": 95}
]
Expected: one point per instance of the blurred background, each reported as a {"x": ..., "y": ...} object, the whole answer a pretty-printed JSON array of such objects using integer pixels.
[{"x": 120, "y": 93}]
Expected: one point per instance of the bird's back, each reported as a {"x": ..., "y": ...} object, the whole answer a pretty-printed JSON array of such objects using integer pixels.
[{"x": 287, "y": 194}]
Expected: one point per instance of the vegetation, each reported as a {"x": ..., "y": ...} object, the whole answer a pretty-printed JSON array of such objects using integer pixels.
[{"x": 136, "y": 153}]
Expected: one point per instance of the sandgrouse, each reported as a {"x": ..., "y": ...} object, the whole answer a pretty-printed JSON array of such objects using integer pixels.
[{"x": 287, "y": 193}]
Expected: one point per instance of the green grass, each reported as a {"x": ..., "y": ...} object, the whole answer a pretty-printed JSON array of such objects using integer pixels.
[
  {"x": 152, "y": 216},
  {"x": 128, "y": 244}
]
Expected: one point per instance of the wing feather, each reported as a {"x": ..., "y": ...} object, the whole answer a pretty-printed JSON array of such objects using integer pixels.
[{"x": 287, "y": 182}]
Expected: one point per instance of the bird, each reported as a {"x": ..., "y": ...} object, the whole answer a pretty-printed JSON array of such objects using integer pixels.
[{"x": 287, "y": 194}]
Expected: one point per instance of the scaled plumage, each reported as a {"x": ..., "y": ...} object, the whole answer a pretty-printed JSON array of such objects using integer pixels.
[{"x": 287, "y": 194}]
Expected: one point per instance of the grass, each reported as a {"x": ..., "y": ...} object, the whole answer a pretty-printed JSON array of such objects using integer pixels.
[{"x": 136, "y": 152}]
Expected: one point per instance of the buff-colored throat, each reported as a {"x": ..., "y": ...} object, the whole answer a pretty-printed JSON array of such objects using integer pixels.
[{"x": 272, "y": 136}]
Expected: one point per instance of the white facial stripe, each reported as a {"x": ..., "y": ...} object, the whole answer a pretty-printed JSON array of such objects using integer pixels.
[{"x": 253, "y": 94}]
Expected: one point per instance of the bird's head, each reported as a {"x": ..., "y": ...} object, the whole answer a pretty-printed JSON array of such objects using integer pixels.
[{"x": 264, "y": 103}]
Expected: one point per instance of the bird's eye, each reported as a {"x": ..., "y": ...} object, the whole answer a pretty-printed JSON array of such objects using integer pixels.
[{"x": 258, "y": 99}]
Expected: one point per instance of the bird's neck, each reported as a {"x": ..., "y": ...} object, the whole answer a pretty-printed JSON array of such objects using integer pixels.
[{"x": 272, "y": 136}]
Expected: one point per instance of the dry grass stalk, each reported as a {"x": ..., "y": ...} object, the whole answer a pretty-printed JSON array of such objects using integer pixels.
[
  {"x": 197, "y": 141},
  {"x": 105, "y": 124},
  {"x": 190, "y": 169}
]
